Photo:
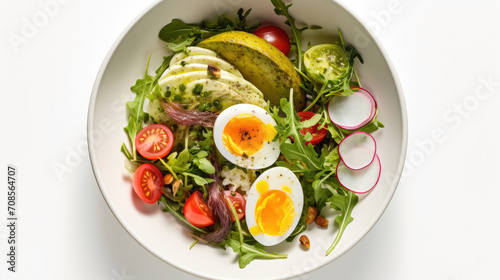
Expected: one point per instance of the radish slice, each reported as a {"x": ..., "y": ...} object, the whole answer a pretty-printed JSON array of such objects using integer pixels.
[
  {"x": 372, "y": 99},
  {"x": 352, "y": 111},
  {"x": 359, "y": 181},
  {"x": 357, "y": 150}
]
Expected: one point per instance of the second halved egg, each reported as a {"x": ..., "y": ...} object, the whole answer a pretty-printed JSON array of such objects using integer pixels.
[{"x": 274, "y": 205}]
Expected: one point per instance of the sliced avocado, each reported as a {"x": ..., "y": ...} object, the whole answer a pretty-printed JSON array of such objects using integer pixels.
[
  {"x": 228, "y": 95},
  {"x": 175, "y": 81},
  {"x": 206, "y": 59},
  {"x": 191, "y": 51},
  {"x": 179, "y": 69},
  {"x": 261, "y": 64}
]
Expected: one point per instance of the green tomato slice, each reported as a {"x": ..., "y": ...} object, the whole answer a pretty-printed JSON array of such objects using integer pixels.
[{"x": 326, "y": 62}]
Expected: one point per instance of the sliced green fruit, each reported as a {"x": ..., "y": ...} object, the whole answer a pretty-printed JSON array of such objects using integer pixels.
[
  {"x": 207, "y": 59},
  {"x": 240, "y": 84},
  {"x": 228, "y": 94},
  {"x": 326, "y": 62},
  {"x": 261, "y": 64},
  {"x": 190, "y": 51},
  {"x": 177, "y": 69}
]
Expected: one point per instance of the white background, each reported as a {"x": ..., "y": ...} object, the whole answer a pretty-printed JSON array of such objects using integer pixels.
[{"x": 443, "y": 222}]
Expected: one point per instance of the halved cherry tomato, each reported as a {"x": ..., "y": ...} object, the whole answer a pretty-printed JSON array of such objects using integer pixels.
[
  {"x": 238, "y": 203},
  {"x": 154, "y": 141},
  {"x": 276, "y": 36},
  {"x": 148, "y": 182},
  {"x": 196, "y": 211},
  {"x": 318, "y": 136}
]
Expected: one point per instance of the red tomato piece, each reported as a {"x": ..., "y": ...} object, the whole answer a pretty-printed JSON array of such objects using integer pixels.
[
  {"x": 318, "y": 136},
  {"x": 148, "y": 183},
  {"x": 196, "y": 211},
  {"x": 238, "y": 203},
  {"x": 276, "y": 36},
  {"x": 154, "y": 141}
]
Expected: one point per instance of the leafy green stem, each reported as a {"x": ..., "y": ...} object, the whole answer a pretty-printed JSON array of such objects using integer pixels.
[
  {"x": 126, "y": 152},
  {"x": 282, "y": 9},
  {"x": 300, "y": 144},
  {"x": 236, "y": 220},
  {"x": 318, "y": 96},
  {"x": 139, "y": 117},
  {"x": 179, "y": 216},
  {"x": 169, "y": 168},
  {"x": 252, "y": 250},
  {"x": 346, "y": 205}
]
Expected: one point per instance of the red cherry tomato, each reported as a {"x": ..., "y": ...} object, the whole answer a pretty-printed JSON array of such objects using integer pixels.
[
  {"x": 276, "y": 36},
  {"x": 238, "y": 203},
  {"x": 154, "y": 141},
  {"x": 196, "y": 211},
  {"x": 318, "y": 136},
  {"x": 148, "y": 183}
]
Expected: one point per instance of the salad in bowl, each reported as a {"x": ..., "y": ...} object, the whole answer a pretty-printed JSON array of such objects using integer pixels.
[{"x": 251, "y": 139}]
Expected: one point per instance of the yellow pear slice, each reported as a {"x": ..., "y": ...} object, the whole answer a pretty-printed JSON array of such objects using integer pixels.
[{"x": 261, "y": 64}]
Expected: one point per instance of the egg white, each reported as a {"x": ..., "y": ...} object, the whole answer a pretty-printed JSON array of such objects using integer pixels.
[
  {"x": 276, "y": 177},
  {"x": 269, "y": 152}
]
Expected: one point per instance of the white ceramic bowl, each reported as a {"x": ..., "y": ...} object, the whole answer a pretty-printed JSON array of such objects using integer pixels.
[{"x": 161, "y": 233}]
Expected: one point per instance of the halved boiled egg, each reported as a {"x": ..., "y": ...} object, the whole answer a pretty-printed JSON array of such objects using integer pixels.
[
  {"x": 244, "y": 135},
  {"x": 274, "y": 205}
]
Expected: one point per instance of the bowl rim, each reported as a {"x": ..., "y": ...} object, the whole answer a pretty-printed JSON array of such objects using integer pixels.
[{"x": 394, "y": 184}]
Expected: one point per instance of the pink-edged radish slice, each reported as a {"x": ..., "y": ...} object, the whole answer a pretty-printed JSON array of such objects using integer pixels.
[
  {"x": 352, "y": 111},
  {"x": 359, "y": 181},
  {"x": 357, "y": 150},
  {"x": 372, "y": 99}
]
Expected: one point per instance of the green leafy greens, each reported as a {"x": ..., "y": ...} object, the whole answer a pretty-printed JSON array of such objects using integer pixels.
[
  {"x": 179, "y": 35},
  {"x": 248, "y": 251},
  {"x": 341, "y": 85},
  {"x": 280, "y": 8},
  {"x": 143, "y": 88},
  {"x": 316, "y": 167}
]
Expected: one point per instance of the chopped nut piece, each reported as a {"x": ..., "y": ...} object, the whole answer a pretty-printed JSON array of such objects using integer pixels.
[
  {"x": 322, "y": 222},
  {"x": 168, "y": 179},
  {"x": 214, "y": 70},
  {"x": 312, "y": 212},
  {"x": 175, "y": 186},
  {"x": 304, "y": 241}
]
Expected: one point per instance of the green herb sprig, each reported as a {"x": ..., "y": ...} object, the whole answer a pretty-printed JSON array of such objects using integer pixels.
[
  {"x": 179, "y": 35},
  {"x": 280, "y": 8}
]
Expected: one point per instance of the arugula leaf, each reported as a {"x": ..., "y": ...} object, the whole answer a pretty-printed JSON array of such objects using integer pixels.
[
  {"x": 281, "y": 9},
  {"x": 249, "y": 252},
  {"x": 344, "y": 203},
  {"x": 177, "y": 31},
  {"x": 179, "y": 163},
  {"x": 179, "y": 35},
  {"x": 372, "y": 126},
  {"x": 135, "y": 109},
  {"x": 173, "y": 208},
  {"x": 289, "y": 126},
  {"x": 126, "y": 152},
  {"x": 145, "y": 87},
  {"x": 200, "y": 181},
  {"x": 321, "y": 192},
  {"x": 200, "y": 160},
  {"x": 332, "y": 158}
]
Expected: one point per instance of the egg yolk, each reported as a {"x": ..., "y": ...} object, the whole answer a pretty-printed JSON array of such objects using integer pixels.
[
  {"x": 245, "y": 134},
  {"x": 274, "y": 213}
]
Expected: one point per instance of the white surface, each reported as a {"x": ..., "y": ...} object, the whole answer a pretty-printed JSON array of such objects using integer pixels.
[{"x": 441, "y": 224}]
